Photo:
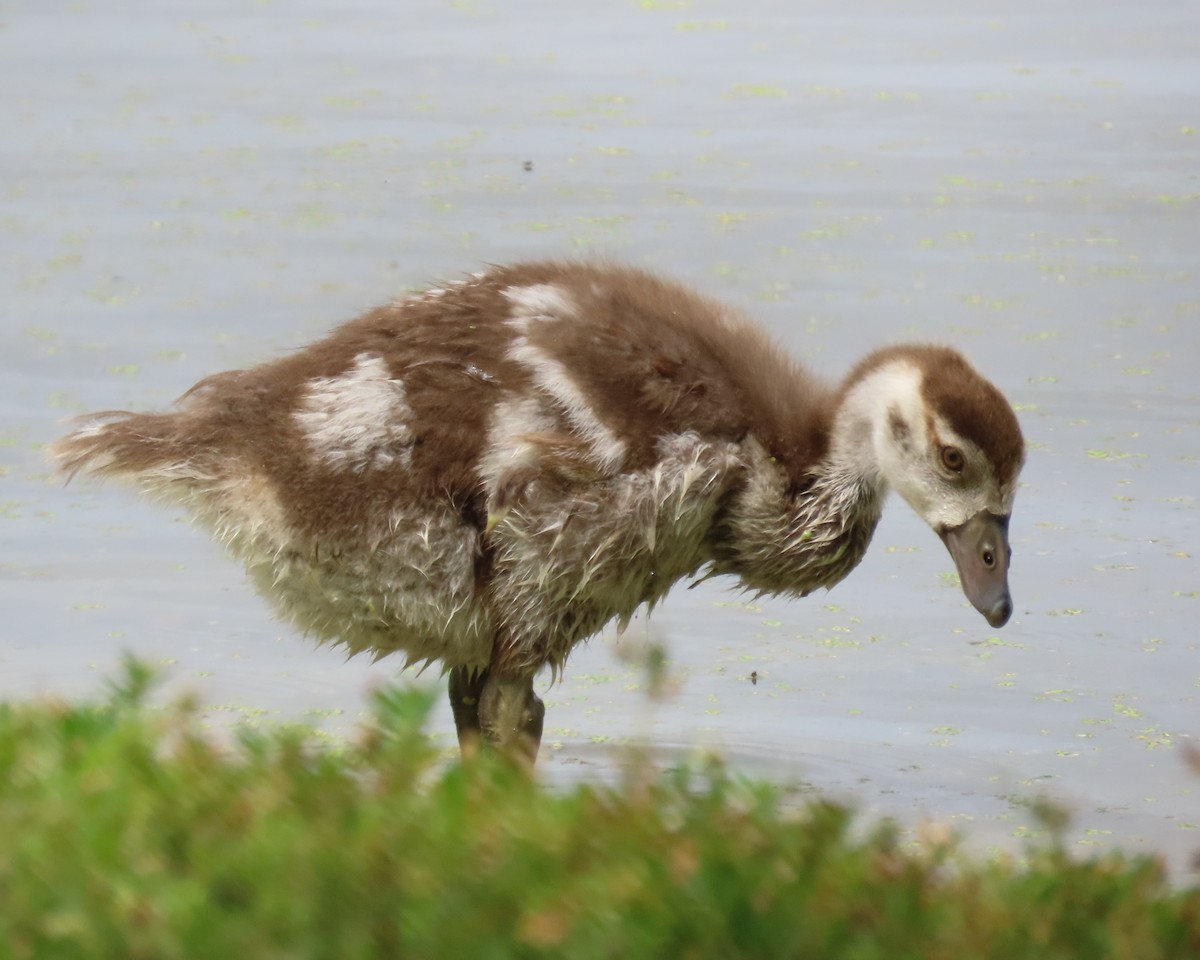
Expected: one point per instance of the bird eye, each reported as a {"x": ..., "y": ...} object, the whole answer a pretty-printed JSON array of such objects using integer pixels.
[{"x": 952, "y": 459}]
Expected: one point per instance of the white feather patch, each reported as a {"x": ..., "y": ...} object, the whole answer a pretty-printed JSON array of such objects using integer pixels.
[
  {"x": 358, "y": 421},
  {"x": 508, "y": 451},
  {"x": 608, "y": 450},
  {"x": 538, "y": 301},
  {"x": 548, "y": 301}
]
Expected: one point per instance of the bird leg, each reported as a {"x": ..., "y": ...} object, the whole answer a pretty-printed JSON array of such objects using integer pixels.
[
  {"x": 466, "y": 687},
  {"x": 510, "y": 715}
]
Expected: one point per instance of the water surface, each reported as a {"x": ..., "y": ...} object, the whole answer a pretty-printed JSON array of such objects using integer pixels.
[{"x": 192, "y": 187}]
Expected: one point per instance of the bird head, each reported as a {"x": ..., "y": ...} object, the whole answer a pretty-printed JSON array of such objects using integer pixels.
[{"x": 949, "y": 443}]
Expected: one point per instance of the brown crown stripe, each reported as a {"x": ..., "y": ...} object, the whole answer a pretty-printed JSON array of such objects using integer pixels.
[{"x": 954, "y": 390}]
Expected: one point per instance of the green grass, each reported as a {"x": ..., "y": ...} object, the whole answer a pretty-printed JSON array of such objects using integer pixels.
[{"x": 125, "y": 833}]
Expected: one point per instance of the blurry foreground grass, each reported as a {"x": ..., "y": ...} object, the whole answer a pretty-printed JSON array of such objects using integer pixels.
[{"x": 124, "y": 833}]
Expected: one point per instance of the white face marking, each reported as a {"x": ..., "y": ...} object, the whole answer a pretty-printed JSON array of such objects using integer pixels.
[
  {"x": 977, "y": 490},
  {"x": 888, "y": 405},
  {"x": 860, "y": 435},
  {"x": 358, "y": 421}
]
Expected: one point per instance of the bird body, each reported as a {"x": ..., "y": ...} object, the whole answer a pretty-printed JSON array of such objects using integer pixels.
[{"x": 490, "y": 472}]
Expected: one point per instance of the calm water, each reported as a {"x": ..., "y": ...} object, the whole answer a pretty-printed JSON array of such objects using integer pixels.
[{"x": 190, "y": 187}]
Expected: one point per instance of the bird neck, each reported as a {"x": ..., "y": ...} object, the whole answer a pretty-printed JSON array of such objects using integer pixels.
[
  {"x": 873, "y": 407},
  {"x": 777, "y": 538}
]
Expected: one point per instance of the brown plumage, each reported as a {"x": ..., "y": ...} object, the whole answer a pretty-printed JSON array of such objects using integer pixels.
[{"x": 488, "y": 473}]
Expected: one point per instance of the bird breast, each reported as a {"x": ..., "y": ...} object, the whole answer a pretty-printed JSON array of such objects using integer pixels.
[{"x": 781, "y": 539}]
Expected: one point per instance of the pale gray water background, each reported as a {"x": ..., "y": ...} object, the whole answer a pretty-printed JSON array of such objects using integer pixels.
[{"x": 188, "y": 187}]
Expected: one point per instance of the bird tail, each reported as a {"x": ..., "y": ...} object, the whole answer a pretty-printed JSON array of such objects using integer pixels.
[{"x": 149, "y": 450}]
